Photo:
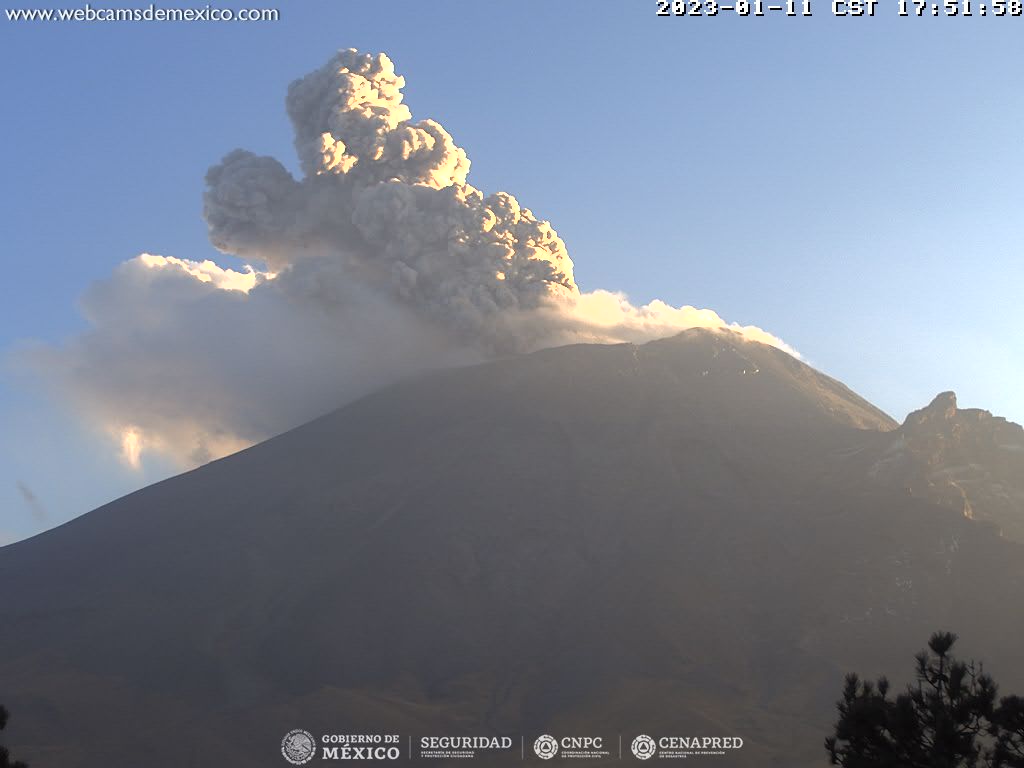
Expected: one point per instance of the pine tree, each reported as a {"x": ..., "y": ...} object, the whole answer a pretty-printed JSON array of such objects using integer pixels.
[
  {"x": 947, "y": 718},
  {"x": 1008, "y": 728},
  {"x": 5, "y": 758}
]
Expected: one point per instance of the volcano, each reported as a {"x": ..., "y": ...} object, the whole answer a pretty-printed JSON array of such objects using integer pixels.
[{"x": 695, "y": 536}]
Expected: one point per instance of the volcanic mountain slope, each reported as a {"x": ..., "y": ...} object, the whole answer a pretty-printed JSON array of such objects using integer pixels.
[{"x": 679, "y": 538}]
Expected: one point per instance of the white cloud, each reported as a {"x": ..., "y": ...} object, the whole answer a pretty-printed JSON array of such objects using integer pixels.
[{"x": 380, "y": 262}]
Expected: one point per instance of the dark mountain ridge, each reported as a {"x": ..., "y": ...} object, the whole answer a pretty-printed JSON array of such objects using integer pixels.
[{"x": 698, "y": 535}]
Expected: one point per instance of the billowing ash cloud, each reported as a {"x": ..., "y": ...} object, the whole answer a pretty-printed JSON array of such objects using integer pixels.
[
  {"x": 387, "y": 198},
  {"x": 379, "y": 262}
]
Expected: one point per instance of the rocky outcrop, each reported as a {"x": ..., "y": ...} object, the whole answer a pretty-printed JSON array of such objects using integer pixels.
[{"x": 963, "y": 458}]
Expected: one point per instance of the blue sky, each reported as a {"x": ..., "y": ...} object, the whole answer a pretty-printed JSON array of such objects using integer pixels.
[{"x": 852, "y": 185}]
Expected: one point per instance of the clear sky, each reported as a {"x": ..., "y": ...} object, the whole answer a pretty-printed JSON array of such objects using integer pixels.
[{"x": 853, "y": 185}]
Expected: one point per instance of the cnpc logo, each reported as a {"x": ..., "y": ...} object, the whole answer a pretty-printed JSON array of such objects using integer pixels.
[{"x": 546, "y": 746}]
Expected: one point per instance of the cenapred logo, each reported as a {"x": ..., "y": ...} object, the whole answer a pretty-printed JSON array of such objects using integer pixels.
[
  {"x": 298, "y": 746},
  {"x": 546, "y": 747},
  {"x": 683, "y": 747},
  {"x": 644, "y": 747}
]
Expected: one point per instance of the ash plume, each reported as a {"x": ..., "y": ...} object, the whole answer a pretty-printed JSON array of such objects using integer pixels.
[{"x": 381, "y": 261}]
